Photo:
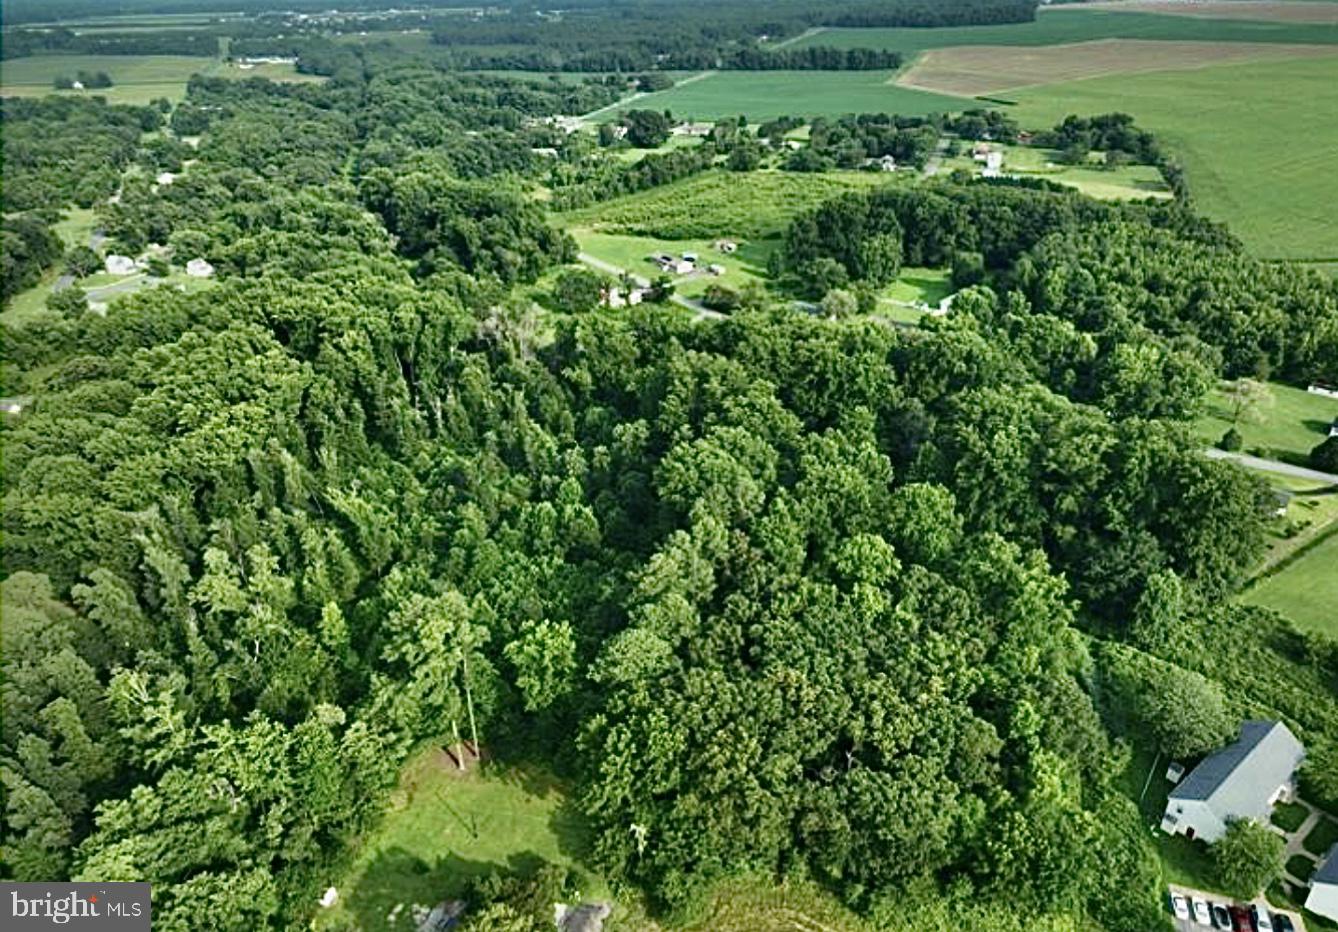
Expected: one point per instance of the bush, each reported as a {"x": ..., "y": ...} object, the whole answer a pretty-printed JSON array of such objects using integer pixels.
[
  {"x": 1248, "y": 858},
  {"x": 1325, "y": 456},
  {"x": 1231, "y": 441},
  {"x": 720, "y": 298}
]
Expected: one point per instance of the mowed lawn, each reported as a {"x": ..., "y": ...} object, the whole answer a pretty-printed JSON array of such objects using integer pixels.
[
  {"x": 1286, "y": 427},
  {"x": 765, "y": 95},
  {"x": 137, "y": 79},
  {"x": 631, "y": 254},
  {"x": 1306, "y": 591},
  {"x": 443, "y": 828},
  {"x": 1257, "y": 154}
]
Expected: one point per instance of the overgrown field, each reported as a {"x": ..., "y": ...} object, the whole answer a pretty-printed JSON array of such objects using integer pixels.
[
  {"x": 989, "y": 69},
  {"x": 137, "y": 79},
  {"x": 750, "y": 205},
  {"x": 765, "y": 95},
  {"x": 1054, "y": 27},
  {"x": 1257, "y": 156}
]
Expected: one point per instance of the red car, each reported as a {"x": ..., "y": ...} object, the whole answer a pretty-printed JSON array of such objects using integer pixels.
[{"x": 1240, "y": 917}]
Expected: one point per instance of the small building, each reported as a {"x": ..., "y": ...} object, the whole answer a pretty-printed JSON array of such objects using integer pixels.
[
  {"x": 726, "y": 245},
  {"x": 884, "y": 164},
  {"x": 1333, "y": 428},
  {"x": 944, "y": 305},
  {"x": 716, "y": 269},
  {"x": 77, "y": 85},
  {"x": 619, "y": 131},
  {"x": 199, "y": 268},
  {"x": 689, "y": 257},
  {"x": 329, "y": 898},
  {"x": 445, "y": 915},
  {"x": 1323, "y": 898},
  {"x": 1281, "y": 499},
  {"x": 693, "y": 129},
  {"x": 1175, "y": 771},
  {"x": 588, "y": 917},
  {"x": 682, "y": 266},
  {"x": 119, "y": 265},
  {"x": 1243, "y": 780},
  {"x": 547, "y": 152},
  {"x": 980, "y": 151},
  {"x": 614, "y": 297},
  {"x": 993, "y": 164}
]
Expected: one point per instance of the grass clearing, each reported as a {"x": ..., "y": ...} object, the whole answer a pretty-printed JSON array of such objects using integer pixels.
[
  {"x": 1286, "y": 428},
  {"x": 274, "y": 71},
  {"x": 443, "y": 828},
  {"x": 745, "y": 266},
  {"x": 990, "y": 69},
  {"x": 1255, "y": 155},
  {"x": 1306, "y": 590},
  {"x": 749, "y": 205},
  {"x": 765, "y": 95},
  {"x": 137, "y": 79},
  {"x": 1126, "y": 182}
]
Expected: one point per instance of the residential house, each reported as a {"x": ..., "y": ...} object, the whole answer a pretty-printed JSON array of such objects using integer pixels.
[
  {"x": 1323, "y": 898},
  {"x": 993, "y": 164},
  {"x": 199, "y": 268},
  {"x": 165, "y": 178},
  {"x": 693, "y": 129},
  {"x": 716, "y": 269},
  {"x": 1281, "y": 499},
  {"x": 1241, "y": 781},
  {"x": 885, "y": 164},
  {"x": 980, "y": 151}
]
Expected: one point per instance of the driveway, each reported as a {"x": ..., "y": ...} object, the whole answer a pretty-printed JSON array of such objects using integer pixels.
[
  {"x": 1189, "y": 925},
  {"x": 692, "y": 304},
  {"x": 1273, "y": 466}
]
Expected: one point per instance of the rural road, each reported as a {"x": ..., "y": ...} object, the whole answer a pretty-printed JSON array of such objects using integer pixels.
[
  {"x": 1273, "y": 466},
  {"x": 623, "y": 102},
  {"x": 692, "y": 304}
]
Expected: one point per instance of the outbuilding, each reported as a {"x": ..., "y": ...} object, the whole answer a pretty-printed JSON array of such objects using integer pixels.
[{"x": 199, "y": 268}]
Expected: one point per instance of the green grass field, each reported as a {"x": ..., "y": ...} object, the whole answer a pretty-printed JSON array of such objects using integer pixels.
[
  {"x": 1306, "y": 590},
  {"x": 1285, "y": 428},
  {"x": 1256, "y": 156},
  {"x": 747, "y": 205},
  {"x": 629, "y": 253},
  {"x": 136, "y": 79},
  {"x": 442, "y": 828},
  {"x": 764, "y": 95},
  {"x": 1127, "y": 182},
  {"x": 1053, "y": 27}
]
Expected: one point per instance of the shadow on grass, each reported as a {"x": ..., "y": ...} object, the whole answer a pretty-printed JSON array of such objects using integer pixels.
[{"x": 397, "y": 877}]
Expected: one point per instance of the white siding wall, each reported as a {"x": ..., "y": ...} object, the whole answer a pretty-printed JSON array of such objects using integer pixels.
[{"x": 1323, "y": 900}]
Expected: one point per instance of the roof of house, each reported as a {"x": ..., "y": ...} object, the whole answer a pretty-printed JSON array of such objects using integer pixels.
[
  {"x": 1241, "y": 778},
  {"x": 1328, "y": 871}
]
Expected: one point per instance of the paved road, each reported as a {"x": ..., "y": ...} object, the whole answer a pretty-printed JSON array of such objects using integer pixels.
[
  {"x": 703, "y": 312},
  {"x": 1273, "y": 466}
]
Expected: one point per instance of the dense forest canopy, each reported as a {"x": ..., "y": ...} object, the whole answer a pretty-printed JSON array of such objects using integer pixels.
[{"x": 777, "y": 593}]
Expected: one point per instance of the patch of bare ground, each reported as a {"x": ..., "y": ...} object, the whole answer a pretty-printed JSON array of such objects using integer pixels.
[
  {"x": 1276, "y": 11},
  {"x": 973, "y": 70}
]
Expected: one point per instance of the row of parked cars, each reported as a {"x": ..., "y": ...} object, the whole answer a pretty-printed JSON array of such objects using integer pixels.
[{"x": 1234, "y": 918}]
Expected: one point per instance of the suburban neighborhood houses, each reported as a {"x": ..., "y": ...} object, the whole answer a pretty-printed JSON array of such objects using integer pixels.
[{"x": 1241, "y": 781}]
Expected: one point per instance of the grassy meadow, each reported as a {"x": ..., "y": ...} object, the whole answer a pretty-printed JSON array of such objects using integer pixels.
[
  {"x": 1128, "y": 182},
  {"x": 629, "y": 253},
  {"x": 137, "y": 79},
  {"x": 1256, "y": 155},
  {"x": 1305, "y": 590},
  {"x": 1286, "y": 427}
]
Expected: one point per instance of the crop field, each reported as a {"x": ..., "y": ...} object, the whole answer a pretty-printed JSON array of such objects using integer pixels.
[
  {"x": 1278, "y": 11},
  {"x": 989, "y": 69},
  {"x": 1255, "y": 154},
  {"x": 765, "y": 95},
  {"x": 137, "y": 79},
  {"x": 1058, "y": 27},
  {"x": 1306, "y": 591},
  {"x": 749, "y": 205}
]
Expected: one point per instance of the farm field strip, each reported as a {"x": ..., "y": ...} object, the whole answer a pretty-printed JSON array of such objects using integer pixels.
[
  {"x": 973, "y": 70},
  {"x": 1278, "y": 11}
]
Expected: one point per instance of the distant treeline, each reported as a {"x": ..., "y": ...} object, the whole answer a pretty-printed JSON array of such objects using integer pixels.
[
  {"x": 22, "y": 42},
  {"x": 746, "y": 58}
]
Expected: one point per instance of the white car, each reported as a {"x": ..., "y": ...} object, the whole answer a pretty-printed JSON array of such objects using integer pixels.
[
  {"x": 1179, "y": 906},
  {"x": 1201, "y": 914}
]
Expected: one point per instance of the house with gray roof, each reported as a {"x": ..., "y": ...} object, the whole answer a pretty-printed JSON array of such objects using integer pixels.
[
  {"x": 1323, "y": 898},
  {"x": 1241, "y": 781}
]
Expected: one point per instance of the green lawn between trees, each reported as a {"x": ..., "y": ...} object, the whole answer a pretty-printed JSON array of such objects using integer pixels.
[{"x": 1286, "y": 426}]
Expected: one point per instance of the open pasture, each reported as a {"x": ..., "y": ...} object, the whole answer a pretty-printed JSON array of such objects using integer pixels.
[
  {"x": 1256, "y": 153},
  {"x": 765, "y": 95},
  {"x": 974, "y": 70},
  {"x": 1277, "y": 11},
  {"x": 137, "y": 79},
  {"x": 1306, "y": 591},
  {"x": 1057, "y": 27}
]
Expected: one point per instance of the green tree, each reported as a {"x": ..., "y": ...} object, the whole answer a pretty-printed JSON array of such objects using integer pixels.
[
  {"x": 576, "y": 291},
  {"x": 81, "y": 261},
  {"x": 544, "y": 660},
  {"x": 1324, "y": 456},
  {"x": 647, "y": 129},
  {"x": 1247, "y": 858}
]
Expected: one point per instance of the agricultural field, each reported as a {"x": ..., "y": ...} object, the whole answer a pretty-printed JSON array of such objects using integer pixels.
[
  {"x": 136, "y": 79},
  {"x": 1277, "y": 11},
  {"x": 751, "y": 205},
  {"x": 765, "y": 95},
  {"x": 274, "y": 71},
  {"x": 975, "y": 70},
  {"x": 1256, "y": 156},
  {"x": 1062, "y": 26},
  {"x": 1305, "y": 590},
  {"x": 1286, "y": 426},
  {"x": 1127, "y": 182}
]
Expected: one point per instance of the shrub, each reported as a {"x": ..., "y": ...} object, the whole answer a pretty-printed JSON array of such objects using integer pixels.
[{"x": 1231, "y": 441}]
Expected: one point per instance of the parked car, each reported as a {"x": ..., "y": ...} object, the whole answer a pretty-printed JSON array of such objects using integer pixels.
[
  {"x": 1263, "y": 922},
  {"x": 1221, "y": 918},
  {"x": 1282, "y": 923},
  {"x": 1241, "y": 916},
  {"x": 1179, "y": 906},
  {"x": 1201, "y": 912}
]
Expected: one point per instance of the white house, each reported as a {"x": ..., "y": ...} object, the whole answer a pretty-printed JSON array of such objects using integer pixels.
[
  {"x": 1323, "y": 898},
  {"x": 885, "y": 164},
  {"x": 119, "y": 265},
  {"x": 993, "y": 164},
  {"x": 1241, "y": 781},
  {"x": 77, "y": 85},
  {"x": 199, "y": 268},
  {"x": 165, "y": 178}
]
